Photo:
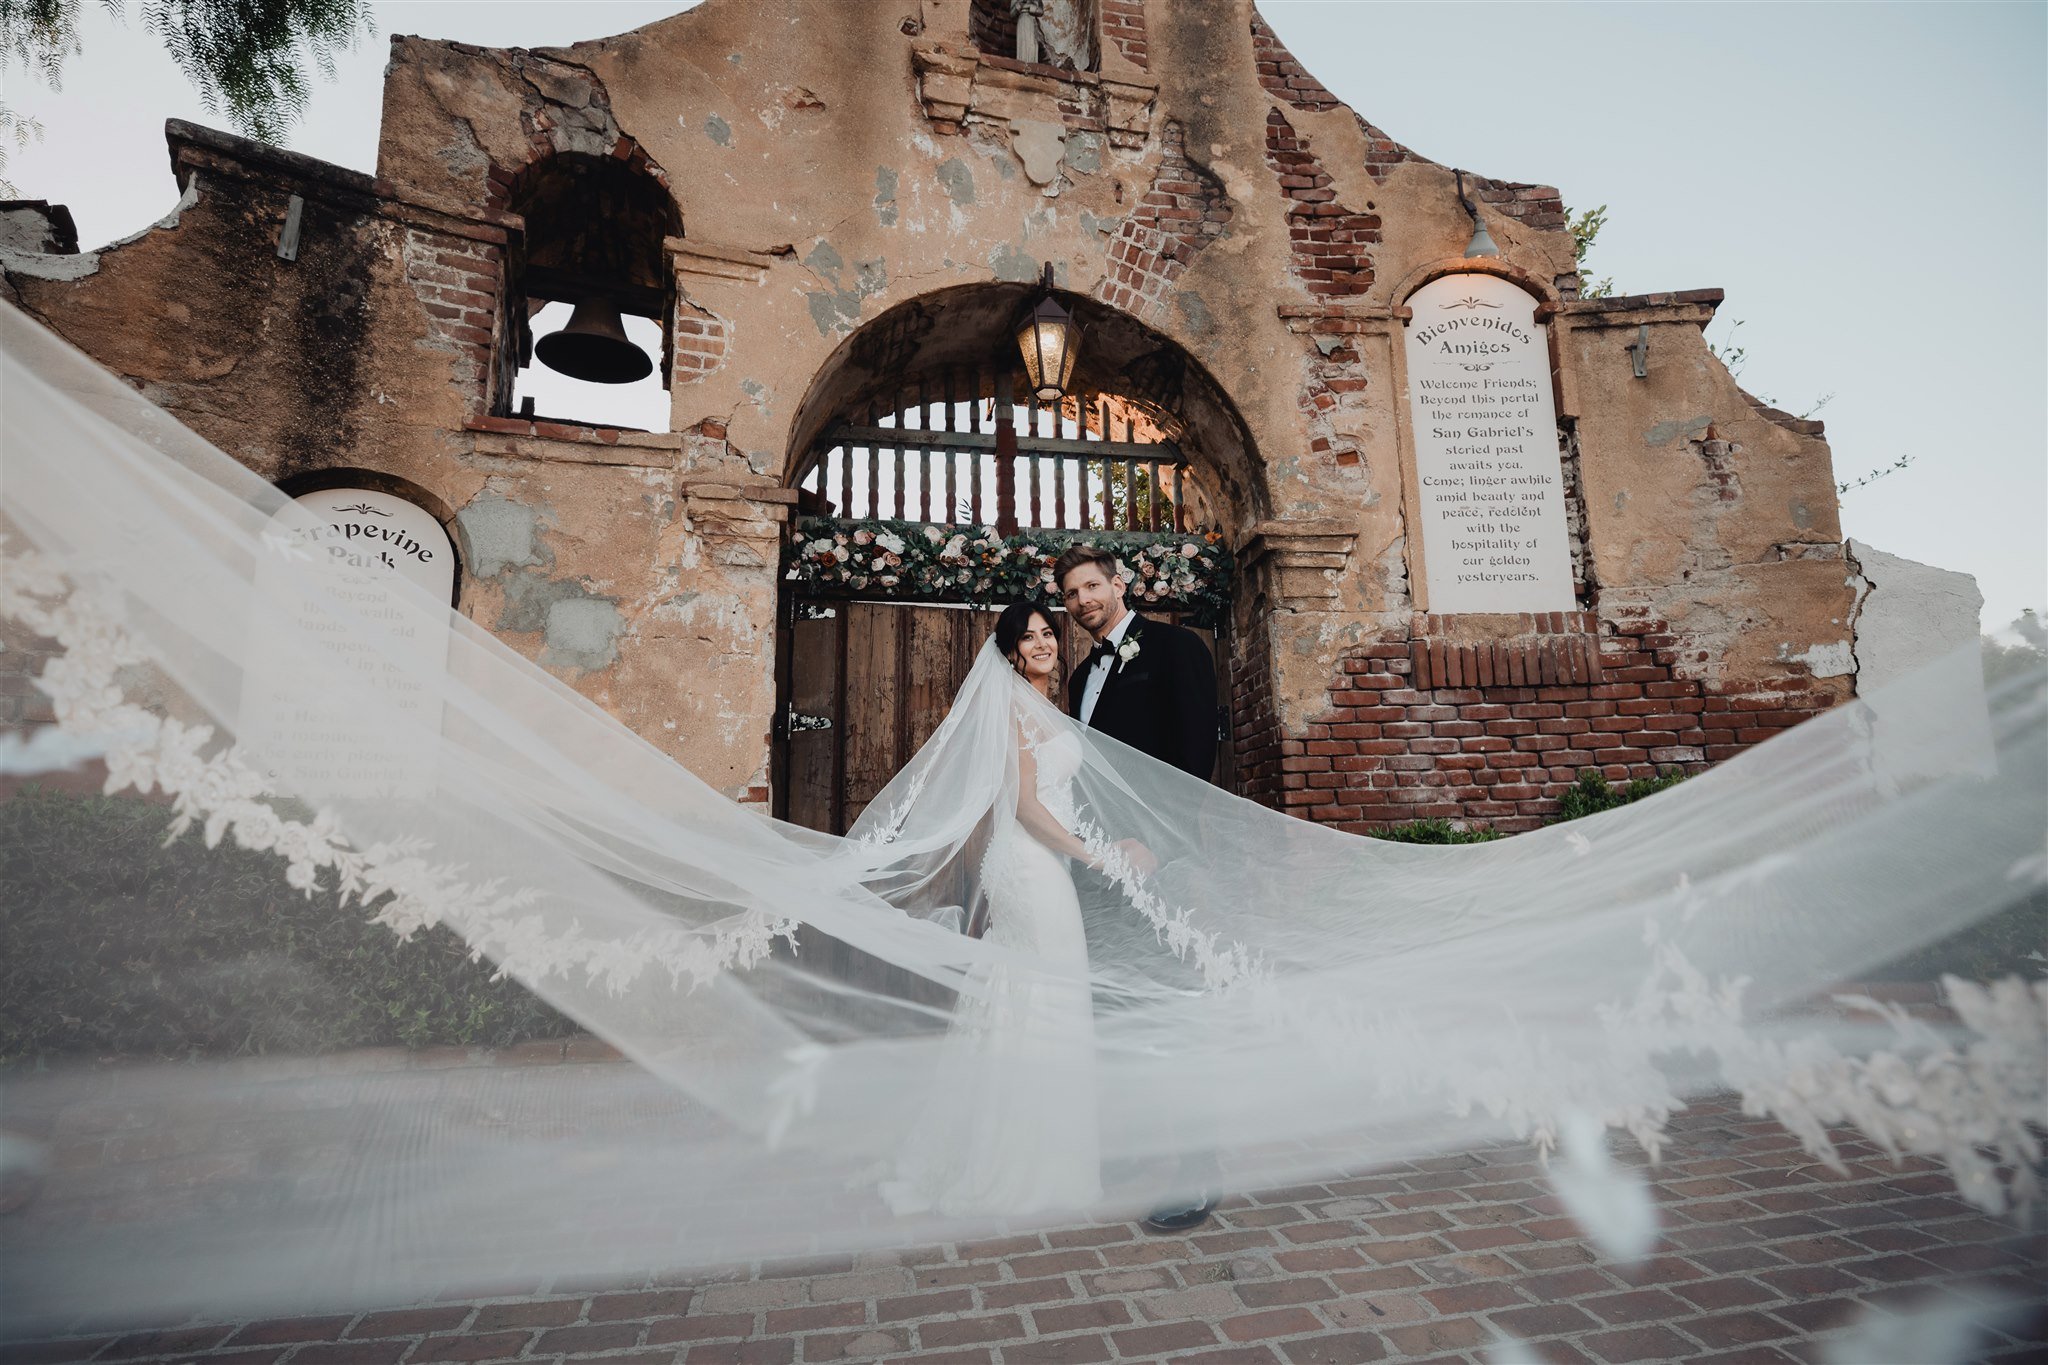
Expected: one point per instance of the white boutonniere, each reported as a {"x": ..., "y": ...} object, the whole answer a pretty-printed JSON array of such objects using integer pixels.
[{"x": 1126, "y": 652}]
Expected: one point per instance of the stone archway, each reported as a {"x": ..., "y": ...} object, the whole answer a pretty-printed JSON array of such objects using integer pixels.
[
  {"x": 915, "y": 422},
  {"x": 969, "y": 329}
]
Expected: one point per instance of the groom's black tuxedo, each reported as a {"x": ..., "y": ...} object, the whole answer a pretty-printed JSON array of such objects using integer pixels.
[{"x": 1162, "y": 701}]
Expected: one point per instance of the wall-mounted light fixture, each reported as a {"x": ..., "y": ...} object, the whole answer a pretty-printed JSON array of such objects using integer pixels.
[
  {"x": 1482, "y": 243},
  {"x": 1049, "y": 341}
]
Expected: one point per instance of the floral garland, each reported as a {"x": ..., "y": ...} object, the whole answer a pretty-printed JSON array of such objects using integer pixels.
[{"x": 915, "y": 561}]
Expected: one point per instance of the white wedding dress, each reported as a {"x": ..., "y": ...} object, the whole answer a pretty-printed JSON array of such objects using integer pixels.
[{"x": 1008, "y": 1127}]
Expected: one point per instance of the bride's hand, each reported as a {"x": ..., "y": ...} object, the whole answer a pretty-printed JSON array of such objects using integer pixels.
[{"x": 1141, "y": 859}]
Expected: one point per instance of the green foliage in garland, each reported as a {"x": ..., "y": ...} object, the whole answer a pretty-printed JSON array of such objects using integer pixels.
[
  {"x": 113, "y": 943},
  {"x": 915, "y": 562}
]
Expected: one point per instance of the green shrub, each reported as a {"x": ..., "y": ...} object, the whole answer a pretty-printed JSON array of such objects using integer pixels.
[
  {"x": 1434, "y": 832},
  {"x": 112, "y": 943},
  {"x": 1590, "y": 794}
]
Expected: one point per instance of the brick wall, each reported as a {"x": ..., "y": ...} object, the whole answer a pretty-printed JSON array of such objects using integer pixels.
[
  {"x": 1285, "y": 78},
  {"x": 1423, "y": 726},
  {"x": 1254, "y": 720},
  {"x": 1331, "y": 244},
  {"x": 1123, "y": 23},
  {"x": 457, "y": 282},
  {"x": 700, "y": 342},
  {"x": 1182, "y": 211}
]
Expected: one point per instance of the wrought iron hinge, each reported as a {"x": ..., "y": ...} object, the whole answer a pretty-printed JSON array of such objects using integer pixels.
[{"x": 795, "y": 722}]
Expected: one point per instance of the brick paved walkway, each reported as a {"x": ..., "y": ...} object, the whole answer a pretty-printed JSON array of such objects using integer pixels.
[{"x": 1764, "y": 1256}]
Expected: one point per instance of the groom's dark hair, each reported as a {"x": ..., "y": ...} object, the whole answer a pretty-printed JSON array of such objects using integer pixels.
[{"x": 1077, "y": 555}]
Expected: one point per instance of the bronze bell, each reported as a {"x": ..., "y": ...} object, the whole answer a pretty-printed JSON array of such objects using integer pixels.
[{"x": 594, "y": 347}]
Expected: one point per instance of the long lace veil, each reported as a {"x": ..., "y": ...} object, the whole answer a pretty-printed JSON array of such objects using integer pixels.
[{"x": 1276, "y": 998}]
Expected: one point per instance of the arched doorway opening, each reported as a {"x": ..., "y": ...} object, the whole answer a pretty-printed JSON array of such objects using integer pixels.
[{"x": 919, "y": 434}]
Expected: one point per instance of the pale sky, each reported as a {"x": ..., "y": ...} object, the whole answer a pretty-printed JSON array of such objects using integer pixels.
[{"x": 1865, "y": 181}]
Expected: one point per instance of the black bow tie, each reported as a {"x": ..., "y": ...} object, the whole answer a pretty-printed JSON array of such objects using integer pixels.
[{"x": 1103, "y": 650}]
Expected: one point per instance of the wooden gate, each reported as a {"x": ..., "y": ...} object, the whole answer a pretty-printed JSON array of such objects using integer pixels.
[{"x": 863, "y": 686}]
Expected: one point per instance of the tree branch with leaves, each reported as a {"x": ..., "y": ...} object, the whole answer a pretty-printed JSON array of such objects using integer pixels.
[{"x": 248, "y": 59}]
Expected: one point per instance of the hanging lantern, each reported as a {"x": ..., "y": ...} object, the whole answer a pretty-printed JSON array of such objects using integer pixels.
[
  {"x": 594, "y": 347},
  {"x": 1049, "y": 341}
]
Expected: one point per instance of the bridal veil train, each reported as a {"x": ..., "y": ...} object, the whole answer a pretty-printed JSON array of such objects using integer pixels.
[{"x": 1278, "y": 995}]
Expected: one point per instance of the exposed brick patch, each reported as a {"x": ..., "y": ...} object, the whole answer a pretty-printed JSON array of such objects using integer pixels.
[
  {"x": 1287, "y": 80},
  {"x": 1284, "y": 77},
  {"x": 1536, "y": 206},
  {"x": 510, "y": 185},
  {"x": 1123, "y": 23},
  {"x": 458, "y": 283},
  {"x": 1331, "y": 243},
  {"x": 1255, "y": 724},
  {"x": 1553, "y": 649},
  {"x": 1182, "y": 211},
  {"x": 701, "y": 337},
  {"x": 1337, "y": 377}
]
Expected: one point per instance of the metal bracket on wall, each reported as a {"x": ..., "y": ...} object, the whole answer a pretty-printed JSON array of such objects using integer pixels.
[
  {"x": 288, "y": 240},
  {"x": 795, "y": 611},
  {"x": 795, "y": 722},
  {"x": 1639, "y": 354}
]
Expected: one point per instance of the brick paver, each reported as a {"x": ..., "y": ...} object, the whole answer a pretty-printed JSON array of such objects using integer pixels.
[{"x": 1765, "y": 1255}]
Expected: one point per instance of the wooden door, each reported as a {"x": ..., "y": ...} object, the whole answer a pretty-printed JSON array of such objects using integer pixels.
[{"x": 865, "y": 685}]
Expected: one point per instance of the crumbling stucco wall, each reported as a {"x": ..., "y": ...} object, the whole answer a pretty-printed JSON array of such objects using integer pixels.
[
  {"x": 1910, "y": 615},
  {"x": 831, "y": 162}
]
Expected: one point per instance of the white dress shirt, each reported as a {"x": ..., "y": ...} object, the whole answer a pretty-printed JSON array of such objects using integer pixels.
[{"x": 1091, "y": 686}]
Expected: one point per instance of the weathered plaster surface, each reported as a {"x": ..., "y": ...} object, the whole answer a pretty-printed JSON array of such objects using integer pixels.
[
  {"x": 835, "y": 164},
  {"x": 1911, "y": 615}
]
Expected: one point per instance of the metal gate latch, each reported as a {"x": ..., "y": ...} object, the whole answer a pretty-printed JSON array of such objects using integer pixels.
[{"x": 795, "y": 722}]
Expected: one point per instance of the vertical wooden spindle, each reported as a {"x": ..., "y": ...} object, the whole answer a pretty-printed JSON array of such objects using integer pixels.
[
  {"x": 952, "y": 459},
  {"x": 874, "y": 472},
  {"x": 1006, "y": 456}
]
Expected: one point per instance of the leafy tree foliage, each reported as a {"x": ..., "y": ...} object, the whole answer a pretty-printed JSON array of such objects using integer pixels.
[
  {"x": 1585, "y": 230},
  {"x": 247, "y": 58}
]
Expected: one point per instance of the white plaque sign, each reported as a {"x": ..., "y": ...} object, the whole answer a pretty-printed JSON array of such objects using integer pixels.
[
  {"x": 1490, "y": 478},
  {"x": 321, "y": 720}
]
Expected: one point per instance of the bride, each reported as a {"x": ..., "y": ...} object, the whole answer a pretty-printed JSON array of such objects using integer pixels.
[{"x": 1010, "y": 1125}]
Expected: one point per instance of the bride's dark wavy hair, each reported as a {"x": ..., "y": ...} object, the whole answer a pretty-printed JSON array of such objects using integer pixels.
[{"x": 1016, "y": 619}]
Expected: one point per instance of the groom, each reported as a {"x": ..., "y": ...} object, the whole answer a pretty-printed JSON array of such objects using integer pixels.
[{"x": 1151, "y": 685}]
